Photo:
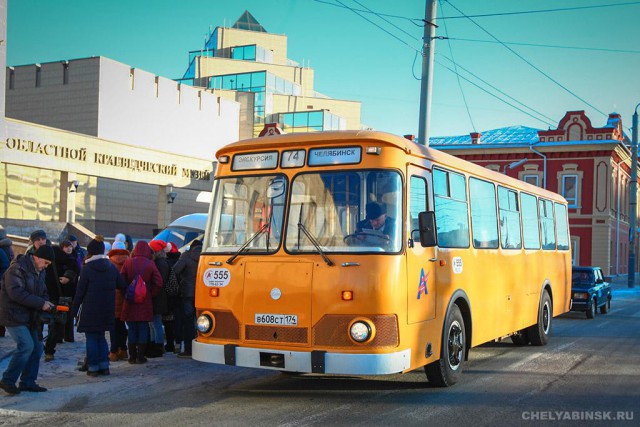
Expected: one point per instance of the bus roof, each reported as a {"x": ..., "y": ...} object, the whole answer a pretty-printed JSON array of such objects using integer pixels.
[{"x": 409, "y": 147}]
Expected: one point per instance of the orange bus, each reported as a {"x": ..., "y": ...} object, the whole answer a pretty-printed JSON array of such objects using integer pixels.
[{"x": 364, "y": 253}]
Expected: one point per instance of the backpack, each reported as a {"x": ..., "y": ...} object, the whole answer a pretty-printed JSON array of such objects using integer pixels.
[
  {"x": 137, "y": 290},
  {"x": 172, "y": 287}
]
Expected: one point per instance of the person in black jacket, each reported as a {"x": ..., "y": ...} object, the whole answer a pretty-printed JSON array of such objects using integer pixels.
[
  {"x": 186, "y": 270},
  {"x": 68, "y": 272},
  {"x": 22, "y": 298},
  {"x": 96, "y": 294},
  {"x": 55, "y": 330}
]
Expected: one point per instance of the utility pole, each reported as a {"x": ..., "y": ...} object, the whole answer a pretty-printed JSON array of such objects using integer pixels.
[
  {"x": 428, "y": 49},
  {"x": 633, "y": 201}
]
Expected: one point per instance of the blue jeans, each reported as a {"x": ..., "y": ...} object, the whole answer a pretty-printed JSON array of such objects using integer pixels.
[
  {"x": 157, "y": 334},
  {"x": 25, "y": 362},
  {"x": 138, "y": 332},
  {"x": 97, "y": 351}
]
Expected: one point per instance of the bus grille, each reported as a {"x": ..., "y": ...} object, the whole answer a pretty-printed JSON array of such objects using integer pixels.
[
  {"x": 276, "y": 334},
  {"x": 333, "y": 331},
  {"x": 227, "y": 326}
]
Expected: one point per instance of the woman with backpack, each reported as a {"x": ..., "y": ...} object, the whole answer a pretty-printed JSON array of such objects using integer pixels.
[{"x": 135, "y": 312}]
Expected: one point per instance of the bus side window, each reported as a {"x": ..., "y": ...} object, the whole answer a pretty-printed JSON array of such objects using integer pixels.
[{"x": 417, "y": 201}]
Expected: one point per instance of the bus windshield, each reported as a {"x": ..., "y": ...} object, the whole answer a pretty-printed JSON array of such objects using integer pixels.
[
  {"x": 356, "y": 211},
  {"x": 249, "y": 210}
]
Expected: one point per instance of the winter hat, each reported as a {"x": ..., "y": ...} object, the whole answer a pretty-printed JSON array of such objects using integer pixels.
[
  {"x": 45, "y": 252},
  {"x": 118, "y": 245},
  {"x": 3, "y": 233},
  {"x": 374, "y": 210},
  {"x": 120, "y": 238},
  {"x": 65, "y": 243},
  {"x": 72, "y": 238},
  {"x": 38, "y": 234},
  {"x": 169, "y": 247},
  {"x": 107, "y": 247},
  {"x": 157, "y": 245},
  {"x": 96, "y": 246},
  {"x": 196, "y": 243}
]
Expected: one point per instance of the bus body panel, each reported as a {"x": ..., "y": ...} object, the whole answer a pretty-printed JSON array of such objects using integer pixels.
[{"x": 405, "y": 295}]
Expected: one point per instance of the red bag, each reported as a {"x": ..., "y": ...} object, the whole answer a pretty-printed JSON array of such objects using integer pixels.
[{"x": 137, "y": 290}]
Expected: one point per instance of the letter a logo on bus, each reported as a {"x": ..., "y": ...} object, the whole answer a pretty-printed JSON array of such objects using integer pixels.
[{"x": 422, "y": 287}]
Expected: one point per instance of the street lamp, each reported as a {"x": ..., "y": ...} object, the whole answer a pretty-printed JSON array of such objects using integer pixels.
[
  {"x": 633, "y": 201},
  {"x": 515, "y": 164}
]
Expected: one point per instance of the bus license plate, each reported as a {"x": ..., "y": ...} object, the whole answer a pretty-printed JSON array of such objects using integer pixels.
[{"x": 276, "y": 319}]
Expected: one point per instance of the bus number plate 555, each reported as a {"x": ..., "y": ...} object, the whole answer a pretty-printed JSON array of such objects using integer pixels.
[{"x": 276, "y": 319}]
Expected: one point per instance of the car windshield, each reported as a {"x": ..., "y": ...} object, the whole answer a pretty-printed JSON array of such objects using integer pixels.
[
  {"x": 342, "y": 211},
  {"x": 583, "y": 277},
  {"x": 247, "y": 209}
]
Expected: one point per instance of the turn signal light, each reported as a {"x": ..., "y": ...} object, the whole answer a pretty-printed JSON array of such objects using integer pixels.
[
  {"x": 347, "y": 295},
  {"x": 214, "y": 292}
]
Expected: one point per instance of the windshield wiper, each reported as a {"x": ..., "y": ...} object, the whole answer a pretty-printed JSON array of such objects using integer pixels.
[
  {"x": 247, "y": 243},
  {"x": 313, "y": 240}
]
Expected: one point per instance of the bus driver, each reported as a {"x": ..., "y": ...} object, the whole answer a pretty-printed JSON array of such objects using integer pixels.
[{"x": 376, "y": 221}]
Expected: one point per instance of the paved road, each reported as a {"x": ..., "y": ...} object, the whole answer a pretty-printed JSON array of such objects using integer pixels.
[{"x": 590, "y": 369}]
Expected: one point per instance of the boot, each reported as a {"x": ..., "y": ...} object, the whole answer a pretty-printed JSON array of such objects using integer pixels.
[
  {"x": 122, "y": 354},
  {"x": 142, "y": 348},
  {"x": 169, "y": 335},
  {"x": 133, "y": 353},
  {"x": 113, "y": 357},
  {"x": 154, "y": 350}
]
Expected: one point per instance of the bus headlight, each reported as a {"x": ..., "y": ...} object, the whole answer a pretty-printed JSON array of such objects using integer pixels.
[
  {"x": 360, "y": 331},
  {"x": 204, "y": 324}
]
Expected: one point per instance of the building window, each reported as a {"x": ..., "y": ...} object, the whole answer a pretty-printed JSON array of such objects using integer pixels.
[
  {"x": 38, "y": 71},
  {"x": 12, "y": 77},
  {"x": 531, "y": 179},
  {"x": 65, "y": 73},
  {"x": 569, "y": 189},
  {"x": 575, "y": 250}
]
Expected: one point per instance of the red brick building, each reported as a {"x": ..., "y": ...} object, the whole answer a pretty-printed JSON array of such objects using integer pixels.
[{"x": 590, "y": 166}]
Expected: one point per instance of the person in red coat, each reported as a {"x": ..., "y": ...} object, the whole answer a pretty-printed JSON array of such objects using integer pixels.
[
  {"x": 118, "y": 255},
  {"x": 138, "y": 315}
]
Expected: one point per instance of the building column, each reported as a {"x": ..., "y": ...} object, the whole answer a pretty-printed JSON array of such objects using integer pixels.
[
  {"x": 68, "y": 191},
  {"x": 166, "y": 197}
]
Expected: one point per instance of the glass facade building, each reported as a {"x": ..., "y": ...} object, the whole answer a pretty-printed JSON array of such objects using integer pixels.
[{"x": 217, "y": 67}]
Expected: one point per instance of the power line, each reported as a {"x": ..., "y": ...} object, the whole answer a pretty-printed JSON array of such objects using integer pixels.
[
  {"x": 530, "y": 63},
  {"x": 524, "y": 12},
  {"x": 464, "y": 98},
  {"x": 551, "y": 121},
  {"x": 495, "y": 96},
  {"x": 364, "y": 11},
  {"x": 548, "y": 45},
  {"x": 370, "y": 21}
]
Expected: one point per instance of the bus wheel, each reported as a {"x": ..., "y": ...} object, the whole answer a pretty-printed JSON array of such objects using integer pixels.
[
  {"x": 446, "y": 371},
  {"x": 540, "y": 332},
  {"x": 593, "y": 308},
  {"x": 520, "y": 338}
]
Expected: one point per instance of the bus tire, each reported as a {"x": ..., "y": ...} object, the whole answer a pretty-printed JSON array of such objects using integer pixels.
[
  {"x": 447, "y": 370},
  {"x": 606, "y": 307},
  {"x": 540, "y": 332},
  {"x": 520, "y": 338}
]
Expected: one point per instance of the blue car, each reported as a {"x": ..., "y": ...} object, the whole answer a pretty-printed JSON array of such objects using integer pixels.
[{"x": 589, "y": 291}]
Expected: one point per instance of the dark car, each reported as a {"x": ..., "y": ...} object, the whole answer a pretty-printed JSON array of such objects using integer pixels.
[{"x": 590, "y": 291}]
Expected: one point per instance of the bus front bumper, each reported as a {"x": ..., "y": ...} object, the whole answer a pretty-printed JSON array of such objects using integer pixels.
[{"x": 320, "y": 362}]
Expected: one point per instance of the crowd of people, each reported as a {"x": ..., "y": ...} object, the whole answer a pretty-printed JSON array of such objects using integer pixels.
[{"x": 143, "y": 296}]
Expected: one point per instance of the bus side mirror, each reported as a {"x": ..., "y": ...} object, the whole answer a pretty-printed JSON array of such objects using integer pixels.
[{"x": 427, "y": 224}]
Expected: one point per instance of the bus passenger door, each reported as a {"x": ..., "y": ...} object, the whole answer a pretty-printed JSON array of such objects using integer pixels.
[{"x": 421, "y": 290}]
